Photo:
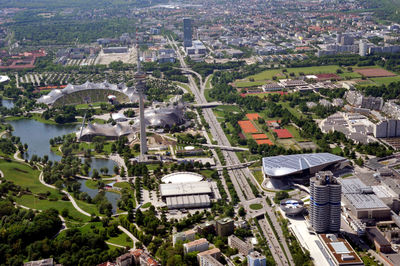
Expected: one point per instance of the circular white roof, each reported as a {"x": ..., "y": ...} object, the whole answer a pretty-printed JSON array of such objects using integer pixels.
[
  {"x": 182, "y": 177},
  {"x": 4, "y": 79}
]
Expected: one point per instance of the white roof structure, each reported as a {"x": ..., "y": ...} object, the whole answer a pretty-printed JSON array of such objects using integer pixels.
[
  {"x": 118, "y": 117},
  {"x": 284, "y": 165},
  {"x": 4, "y": 79},
  {"x": 106, "y": 130},
  {"x": 54, "y": 95},
  {"x": 360, "y": 195},
  {"x": 181, "y": 189},
  {"x": 182, "y": 177}
]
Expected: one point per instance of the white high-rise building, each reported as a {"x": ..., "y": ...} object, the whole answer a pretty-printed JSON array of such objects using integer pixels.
[
  {"x": 325, "y": 198},
  {"x": 363, "y": 48}
]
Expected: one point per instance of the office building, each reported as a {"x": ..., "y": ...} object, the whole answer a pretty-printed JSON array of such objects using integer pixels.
[
  {"x": 187, "y": 32},
  {"x": 256, "y": 259},
  {"x": 243, "y": 247},
  {"x": 224, "y": 227},
  {"x": 209, "y": 257},
  {"x": 325, "y": 197},
  {"x": 197, "y": 245}
]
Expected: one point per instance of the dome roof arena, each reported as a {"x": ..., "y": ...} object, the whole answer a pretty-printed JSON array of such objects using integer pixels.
[
  {"x": 89, "y": 92},
  {"x": 182, "y": 177},
  {"x": 162, "y": 117},
  {"x": 292, "y": 206},
  {"x": 285, "y": 165}
]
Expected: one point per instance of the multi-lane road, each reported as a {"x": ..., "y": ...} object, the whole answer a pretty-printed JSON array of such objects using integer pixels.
[{"x": 241, "y": 176}]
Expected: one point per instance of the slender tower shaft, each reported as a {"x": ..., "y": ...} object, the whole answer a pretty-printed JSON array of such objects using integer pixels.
[{"x": 140, "y": 78}]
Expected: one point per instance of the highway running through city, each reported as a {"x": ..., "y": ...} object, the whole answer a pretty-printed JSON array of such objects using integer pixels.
[{"x": 238, "y": 176}]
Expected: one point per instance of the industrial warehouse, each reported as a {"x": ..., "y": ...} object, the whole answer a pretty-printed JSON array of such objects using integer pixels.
[
  {"x": 363, "y": 202},
  {"x": 189, "y": 195}
]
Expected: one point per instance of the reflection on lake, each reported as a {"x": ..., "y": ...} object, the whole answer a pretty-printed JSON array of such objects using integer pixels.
[{"x": 111, "y": 196}]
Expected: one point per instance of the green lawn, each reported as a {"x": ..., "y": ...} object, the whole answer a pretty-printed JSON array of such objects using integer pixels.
[
  {"x": 31, "y": 202},
  {"x": 352, "y": 75},
  {"x": 206, "y": 173},
  {"x": 256, "y": 206},
  {"x": 146, "y": 205},
  {"x": 258, "y": 176},
  {"x": 268, "y": 74},
  {"x": 208, "y": 83},
  {"x": 122, "y": 239},
  {"x": 385, "y": 80},
  {"x": 23, "y": 175},
  {"x": 295, "y": 132},
  {"x": 244, "y": 84},
  {"x": 294, "y": 111}
]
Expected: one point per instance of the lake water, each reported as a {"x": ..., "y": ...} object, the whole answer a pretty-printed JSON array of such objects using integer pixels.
[
  {"x": 111, "y": 196},
  {"x": 37, "y": 136},
  {"x": 7, "y": 103}
]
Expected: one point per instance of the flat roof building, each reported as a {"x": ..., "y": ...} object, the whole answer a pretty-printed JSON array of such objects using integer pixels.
[
  {"x": 340, "y": 250},
  {"x": 379, "y": 240},
  {"x": 188, "y": 195},
  {"x": 300, "y": 164},
  {"x": 224, "y": 227},
  {"x": 243, "y": 247},
  {"x": 196, "y": 245},
  {"x": 256, "y": 259},
  {"x": 362, "y": 201},
  {"x": 209, "y": 257},
  {"x": 183, "y": 236}
]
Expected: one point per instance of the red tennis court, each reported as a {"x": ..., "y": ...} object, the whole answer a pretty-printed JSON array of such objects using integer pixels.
[
  {"x": 247, "y": 127},
  {"x": 264, "y": 141},
  {"x": 283, "y": 133},
  {"x": 259, "y": 136},
  {"x": 253, "y": 116}
]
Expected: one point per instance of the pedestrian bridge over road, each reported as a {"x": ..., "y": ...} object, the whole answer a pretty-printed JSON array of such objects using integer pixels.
[
  {"x": 228, "y": 148},
  {"x": 235, "y": 166},
  {"x": 208, "y": 105}
]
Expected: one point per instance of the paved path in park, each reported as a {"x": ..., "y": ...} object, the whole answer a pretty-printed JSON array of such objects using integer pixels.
[{"x": 66, "y": 193}]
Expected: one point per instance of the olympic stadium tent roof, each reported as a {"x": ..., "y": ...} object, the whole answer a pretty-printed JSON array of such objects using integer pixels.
[
  {"x": 162, "y": 117},
  {"x": 106, "y": 130},
  {"x": 284, "y": 165},
  {"x": 54, "y": 95}
]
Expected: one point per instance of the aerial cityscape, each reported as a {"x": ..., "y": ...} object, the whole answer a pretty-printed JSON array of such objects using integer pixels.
[{"x": 229, "y": 132}]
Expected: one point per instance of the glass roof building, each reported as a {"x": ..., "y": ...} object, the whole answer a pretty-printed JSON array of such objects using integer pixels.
[{"x": 300, "y": 164}]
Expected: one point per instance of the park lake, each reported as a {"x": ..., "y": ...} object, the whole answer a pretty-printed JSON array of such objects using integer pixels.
[{"x": 37, "y": 135}]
